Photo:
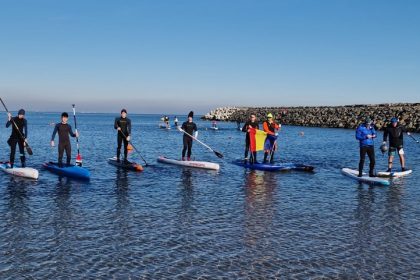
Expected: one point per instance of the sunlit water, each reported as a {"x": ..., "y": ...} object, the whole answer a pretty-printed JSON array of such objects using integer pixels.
[{"x": 170, "y": 222}]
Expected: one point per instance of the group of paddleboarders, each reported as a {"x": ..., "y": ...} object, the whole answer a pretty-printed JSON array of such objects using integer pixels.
[
  {"x": 366, "y": 133},
  {"x": 270, "y": 146}
]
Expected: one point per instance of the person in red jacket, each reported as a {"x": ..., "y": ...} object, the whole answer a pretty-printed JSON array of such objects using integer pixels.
[{"x": 271, "y": 128}]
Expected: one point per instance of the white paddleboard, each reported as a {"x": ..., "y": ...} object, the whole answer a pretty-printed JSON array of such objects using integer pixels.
[
  {"x": 394, "y": 174},
  {"x": 365, "y": 178},
  {"x": 26, "y": 172},
  {"x": 192, "y": 163}
]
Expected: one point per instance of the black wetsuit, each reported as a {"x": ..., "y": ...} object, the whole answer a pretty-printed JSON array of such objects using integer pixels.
[
  {"x": 396, "y": 136},
  {"x": 245, "y": 128},
  {"x": 190, "y": 128},
  {"x": 64, "y": 131},
  {"x": 125, "y": 125},
  {"x": 16, "y": 138}
]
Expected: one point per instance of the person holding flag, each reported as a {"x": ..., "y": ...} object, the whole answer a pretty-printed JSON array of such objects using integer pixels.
[
  {"x": 271, "y": 128},
  {"x": 251, "y": 123}
]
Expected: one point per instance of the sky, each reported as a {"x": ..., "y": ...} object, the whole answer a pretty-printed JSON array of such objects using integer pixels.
[{"x": 173, "y": 56}]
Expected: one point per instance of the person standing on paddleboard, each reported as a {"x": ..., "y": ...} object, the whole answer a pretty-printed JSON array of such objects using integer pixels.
[
  {"x": 123, "y": 125},
  {"x": 365, "y": 133},
  {"x": 251, "y": 123},
  {"x": 271, "y": 128},
  {"x": 191, "y": 128},
  {"x": 64, "y": 131},
  {"x": 176, "y": 121},
  {"x": 396, "y": 142},
  {"x": 16, "y": 137}
]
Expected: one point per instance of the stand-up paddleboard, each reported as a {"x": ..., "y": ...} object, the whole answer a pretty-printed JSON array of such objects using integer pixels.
[
  {"x": 125, "y": 165},
  {"x": 25, "y": 172},
  {"x": 274, "y": 167},
  {"x": 365, "y": 178},
  {"x": 71, "y": 171},
  {"x": 192, "y": 163},
  {"x": 394, "y": 174}
]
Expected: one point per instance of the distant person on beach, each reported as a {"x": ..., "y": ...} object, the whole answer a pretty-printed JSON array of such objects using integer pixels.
[
  {"x": 16, "y": 137},
  {"x": 395, "y": 131},
  {"x": 123, "y": 125},
  {"x": 251, "y": 123},
  {"x": 176, "y": 121},
  {"x": 191, "y": 128},
  {"x": 271, "y": 128},
  {"x": 365, "y": 133},
  {"x": 64, "y": 130}
]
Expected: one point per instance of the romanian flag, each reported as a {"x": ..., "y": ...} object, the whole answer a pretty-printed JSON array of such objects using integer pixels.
[{"x": 257, "y": 139}]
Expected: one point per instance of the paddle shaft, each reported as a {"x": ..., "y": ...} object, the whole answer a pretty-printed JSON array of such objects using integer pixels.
[
  {"x": 28, "y": 148},
  {"x": 412, "y": 137},
  {"x": 134, "y": 147},
  {"x": 75, "y": 128},
  {"x": 198, "y": 140}
]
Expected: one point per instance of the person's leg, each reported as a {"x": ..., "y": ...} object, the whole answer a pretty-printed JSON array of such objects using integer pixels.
[
  {"x": 402, "y": 158},
  {"x": 190, "y": 143},
  {"x": 119, "y": 142},
  {"x": 273, "y": 150},
  {"x": 362, "y": 160},
  {"x": 391, "y": 154},
  {"x": 371, "y": 155},
  {"x": 247, "y": 145},
  {"x": 68, "y": 153},
  {"x": 125, "y": 149},
  {"x": 60, "y": 154},
  {"x": 22, "y": 153},
  {"x": 12, "y": 144},
  {"x": 185, "y": 144}
]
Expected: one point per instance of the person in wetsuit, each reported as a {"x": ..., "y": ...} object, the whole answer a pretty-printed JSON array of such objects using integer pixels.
[
  {"x": 64, "y": 131},
  {"x": 191, "y": 128},
  {"x": 395, "y": 131},
  {"x": 365, "y": 133},
  {"x": 17, "y": 136},
  {"x": 271, "y": 128},
  {"x": 123, "y": 125},
  {"x": 251, "y": 123}
]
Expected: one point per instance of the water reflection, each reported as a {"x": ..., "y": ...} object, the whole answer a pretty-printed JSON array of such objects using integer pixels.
[
  {"x": 186, "y": 192},
  {"x": 260, "y": 206}
]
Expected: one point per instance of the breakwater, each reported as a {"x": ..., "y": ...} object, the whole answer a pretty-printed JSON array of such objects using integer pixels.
[{"x": 349, "y": 116}]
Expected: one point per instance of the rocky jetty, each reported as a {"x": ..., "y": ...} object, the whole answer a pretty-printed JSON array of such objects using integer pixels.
[{"x": 328, "y": 116}]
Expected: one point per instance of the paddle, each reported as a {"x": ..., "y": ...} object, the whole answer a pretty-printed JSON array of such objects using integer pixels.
[
  {"x": 220, "y": 155},
  {"x": 412, "y": 137},
  {"x": 28, "y": 148},
  {"x": 78, "y": 157},
  {"x": 146, "y": 164}
]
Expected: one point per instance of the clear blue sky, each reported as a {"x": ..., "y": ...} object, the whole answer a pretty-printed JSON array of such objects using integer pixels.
[{"x": 175, "y": 55}]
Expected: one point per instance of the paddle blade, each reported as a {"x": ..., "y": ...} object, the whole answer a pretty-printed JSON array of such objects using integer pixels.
[
  {"x": 29, "y": 150},
  {"x": 218, "y": 154}
]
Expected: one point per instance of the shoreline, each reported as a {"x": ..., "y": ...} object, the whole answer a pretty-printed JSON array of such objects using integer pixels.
[{"x": 348, "y": 116}]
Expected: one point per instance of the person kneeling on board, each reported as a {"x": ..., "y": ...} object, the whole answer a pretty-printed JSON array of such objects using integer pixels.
[
  {"x": 19, "y": 130},
  {"x": 251, "y": 123},
  {"x": 365, "y": 133},
  {"x": 271, "y": 128},
  {"x": 191, "y": 128},
  {"x": 123, "y": 126},
  {"x": 396, "y": 141},
  {"x": 64, "y": 130}
]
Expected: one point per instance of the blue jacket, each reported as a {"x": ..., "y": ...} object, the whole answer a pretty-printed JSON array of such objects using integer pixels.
[{"x": 361, "y": 134}]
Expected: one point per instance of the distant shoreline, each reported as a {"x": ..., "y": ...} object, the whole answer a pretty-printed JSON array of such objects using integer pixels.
[{"x": 349, "y": 116}]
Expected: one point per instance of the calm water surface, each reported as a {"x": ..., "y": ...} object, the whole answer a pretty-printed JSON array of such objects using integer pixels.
[{"x": 170, "y": 222}]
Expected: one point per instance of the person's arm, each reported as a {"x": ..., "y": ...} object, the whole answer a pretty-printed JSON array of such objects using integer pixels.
[
  {"x": 373, "y": 133},
  {"x": 116, "y": 126},
  {"x": 385, "y": 135},
  {"x": 245, "y": 127},
  {"x": 54, "y": 132},
  {"x": 195, "y": 131},
  {"x": 71, "y": 133},
  {"x": 266, "y": 129},
  {"x": 359, "y": 135},
  {"x": 25, "y": 124},
  {"x": 128, "y": 127}
]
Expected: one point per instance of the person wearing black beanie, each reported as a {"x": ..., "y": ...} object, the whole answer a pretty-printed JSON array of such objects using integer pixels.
[
  {"x": 191, "y": 128},
  {"x": 20, "y": 125}
]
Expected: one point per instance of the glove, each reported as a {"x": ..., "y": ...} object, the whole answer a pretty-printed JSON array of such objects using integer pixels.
[
  {"x": 196, "y": 134},
  {"x": 128, "y": 138}
]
